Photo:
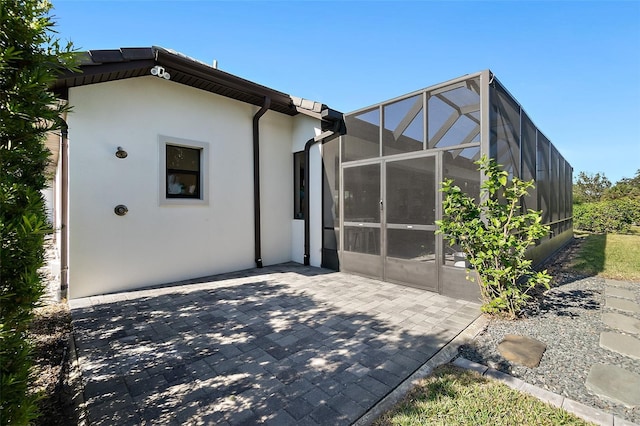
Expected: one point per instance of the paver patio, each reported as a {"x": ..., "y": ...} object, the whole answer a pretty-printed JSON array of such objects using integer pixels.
[{"x": 281, "y": 345}]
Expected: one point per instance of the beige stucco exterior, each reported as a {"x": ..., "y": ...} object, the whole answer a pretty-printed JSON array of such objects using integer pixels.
[{"x": 155, "y": 242}]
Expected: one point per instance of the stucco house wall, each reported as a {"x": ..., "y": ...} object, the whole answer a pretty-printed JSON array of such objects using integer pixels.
[{"x": 157, "y": 243}]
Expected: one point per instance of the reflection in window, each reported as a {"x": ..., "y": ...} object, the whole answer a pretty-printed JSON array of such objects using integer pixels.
[{"x": 183, "y": 172}]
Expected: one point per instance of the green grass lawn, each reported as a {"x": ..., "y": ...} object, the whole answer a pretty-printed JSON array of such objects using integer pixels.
[
  {"x": 454, "y": 396},
  {"x": 613, "y": 256}
]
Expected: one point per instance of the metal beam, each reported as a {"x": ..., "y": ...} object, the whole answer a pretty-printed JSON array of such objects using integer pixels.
[
  {"x": 444, "y": 129},
  {"x": 408, "y": 118}
]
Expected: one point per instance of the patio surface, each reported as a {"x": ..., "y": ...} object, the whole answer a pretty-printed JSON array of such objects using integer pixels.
[{"x": 285, "y": 344}]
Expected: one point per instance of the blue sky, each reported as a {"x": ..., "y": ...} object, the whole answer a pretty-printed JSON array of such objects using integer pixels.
[{"x": 573, "y": 65}]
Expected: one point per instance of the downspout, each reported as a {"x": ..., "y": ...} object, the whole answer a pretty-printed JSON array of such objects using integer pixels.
[
  {"x": 256, "y": 180},
  {"x": 307, "y": 227},
  {"x": 64, "y": 214},
  {"x": 323, "y": 137}
]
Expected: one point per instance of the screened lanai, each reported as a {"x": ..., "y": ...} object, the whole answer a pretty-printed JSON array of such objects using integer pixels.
[{"x": 382, "y": 179}]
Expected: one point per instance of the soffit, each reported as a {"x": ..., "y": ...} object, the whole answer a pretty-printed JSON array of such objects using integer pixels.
[{"x": 99, "y": 66}]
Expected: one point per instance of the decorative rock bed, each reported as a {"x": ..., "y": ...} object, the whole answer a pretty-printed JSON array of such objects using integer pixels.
[{"x": 569, "y": 318}]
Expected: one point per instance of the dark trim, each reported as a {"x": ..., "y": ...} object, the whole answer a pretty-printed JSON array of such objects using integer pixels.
[
  {"x": 256, "y": 180},
  {"x": 305, "y": 211},
  {"x": 64, "y": 219},
  {"x": 207, "y": 73}
]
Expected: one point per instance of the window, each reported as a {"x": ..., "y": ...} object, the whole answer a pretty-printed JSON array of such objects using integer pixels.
[
  {"x": 298, "y": 184},
  {"x": 183, "y": 171}
]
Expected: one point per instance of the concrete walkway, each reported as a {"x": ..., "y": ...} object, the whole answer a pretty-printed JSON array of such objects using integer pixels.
[
  {"x": 610, "y": 381},
  {"x": 281, "y": 345}
]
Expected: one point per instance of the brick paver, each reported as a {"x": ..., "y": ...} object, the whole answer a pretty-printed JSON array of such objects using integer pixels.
[{"x": 286, "y": 344}]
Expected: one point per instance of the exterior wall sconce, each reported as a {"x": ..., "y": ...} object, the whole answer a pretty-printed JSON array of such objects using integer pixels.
[
  {"x": 121, "y": 153},
  {"x": 120, "y": 210}
]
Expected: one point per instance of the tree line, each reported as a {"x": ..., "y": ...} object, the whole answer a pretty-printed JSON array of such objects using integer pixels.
[{"x": 600, "y": 206}]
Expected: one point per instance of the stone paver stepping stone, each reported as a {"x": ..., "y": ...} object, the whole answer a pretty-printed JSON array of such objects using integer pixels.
[
  {"x": 617, "y": 283},
  {"x": 621, "y": 343},
  {"x": 615, "y": 383},
  {"x": 623, "y": 305},
  {"x": 622, "y": 322},
  {"x": 620, "y": 292},
  {"x": 522, "y": 350}
]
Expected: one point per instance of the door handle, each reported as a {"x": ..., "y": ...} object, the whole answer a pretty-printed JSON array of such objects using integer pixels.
[{"x": 381, "y": 204}]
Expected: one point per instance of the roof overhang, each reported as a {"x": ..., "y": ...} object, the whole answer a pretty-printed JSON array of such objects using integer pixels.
[{"x": 98, "y": 66}]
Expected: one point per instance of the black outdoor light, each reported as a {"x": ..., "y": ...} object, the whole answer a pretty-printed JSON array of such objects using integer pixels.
[
  {"x": 121, "y": 153},
  {"x": 121, "y": 210}
]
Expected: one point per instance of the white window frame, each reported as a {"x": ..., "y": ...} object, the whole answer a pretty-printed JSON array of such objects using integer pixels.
[{"x": 163, "y": 141}]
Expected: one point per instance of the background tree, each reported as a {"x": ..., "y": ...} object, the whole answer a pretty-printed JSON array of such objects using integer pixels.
[
  {"x": 590, "y": 188},
  {"x": 625, "y": 188},
  {"x": 30, "y": 57},
  {"x": 495, "y": 235},
  {"x": 604, "y": 209}
]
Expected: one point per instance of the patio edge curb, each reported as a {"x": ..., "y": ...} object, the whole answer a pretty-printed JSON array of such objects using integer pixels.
[
  {"x": 443, "y": 356},
  {"x": 585, "y": 412}
]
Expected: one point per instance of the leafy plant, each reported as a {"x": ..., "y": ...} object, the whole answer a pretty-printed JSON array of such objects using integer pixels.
[
  {"x": 495, "y": 234},
  {"x": 30, "y": 57},
  {"x": 607, "y": 216}
]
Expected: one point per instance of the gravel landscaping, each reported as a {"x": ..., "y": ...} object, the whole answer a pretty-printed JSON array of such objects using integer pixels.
[{"x": 568, "y": 319}]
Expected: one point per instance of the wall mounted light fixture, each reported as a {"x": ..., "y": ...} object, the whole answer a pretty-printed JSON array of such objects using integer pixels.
[
  {"x": 159, "y": 71},
  {"x": 121, "y": 153},
  {"x": 121, "y": 210}
]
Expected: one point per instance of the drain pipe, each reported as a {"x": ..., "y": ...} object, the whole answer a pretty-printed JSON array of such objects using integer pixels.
[
  {"x": 323, "y": 137},
  {"x": 256, "y": 180},
  {"x": 64, "y": 207}
]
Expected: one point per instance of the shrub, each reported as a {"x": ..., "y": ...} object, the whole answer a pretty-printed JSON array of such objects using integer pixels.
[
  {"x": 495, "y": 235},
  {"x": 29, "y": 60},
  {"x": 607, "y": 216}
]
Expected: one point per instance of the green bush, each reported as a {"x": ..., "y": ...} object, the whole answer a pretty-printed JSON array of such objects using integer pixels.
[
  {"x": 495, "y": 234},
  {"x": 29, "y": 60},
  {"x": 607, "y": 216}
]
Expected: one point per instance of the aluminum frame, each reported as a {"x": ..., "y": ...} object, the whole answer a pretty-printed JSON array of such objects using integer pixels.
[{"x": 451, "y": 280}]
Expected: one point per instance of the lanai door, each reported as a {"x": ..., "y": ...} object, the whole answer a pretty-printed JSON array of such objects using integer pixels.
[
  {"x": 362, "y": 206},
  {"x": 389, "y": 215},
  {"x": 409, "y": 224}
]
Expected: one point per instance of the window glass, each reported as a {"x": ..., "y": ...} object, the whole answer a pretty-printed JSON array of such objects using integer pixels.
[
  {"x": 298, "y": 184},
  {"x": 183, "y": 172}
]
